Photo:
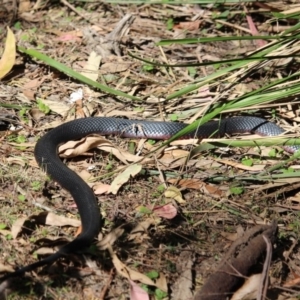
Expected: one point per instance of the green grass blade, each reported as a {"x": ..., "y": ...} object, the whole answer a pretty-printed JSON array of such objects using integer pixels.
[
  {"x": 224, "y": 38},
  {"x": 70, "y": 72}
]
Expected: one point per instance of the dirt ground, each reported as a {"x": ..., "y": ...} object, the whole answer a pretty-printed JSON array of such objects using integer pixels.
[{"x": 168, "y": 225}]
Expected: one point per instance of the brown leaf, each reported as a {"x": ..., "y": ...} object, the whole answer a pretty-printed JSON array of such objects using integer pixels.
[
  {"x": 141, "y": 229},
  {"x": 101, "y": 188},
  {"x": 123, "y": 177},
  {"x": 128, "y": 273},
  {"x": 212, "y": 190},
  {"x": 110, "y": 238},
  {"x": 189, "y": 183},
  {"x": 56, "y": 220},
  {"x": 112, "y": 67},
  {"x": 24, "y": 6},
  {"x": 75, "y": 148},
  {"x": 197, "y": 184},
  {"x": 190, "y": 26},
  {"x": 17, "y": 226},
  {"x": 29, "y": 88},
  {"x": 4, "y": 268}
]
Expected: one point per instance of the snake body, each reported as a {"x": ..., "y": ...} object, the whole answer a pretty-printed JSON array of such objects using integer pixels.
[{"x": 47, "y": 158}]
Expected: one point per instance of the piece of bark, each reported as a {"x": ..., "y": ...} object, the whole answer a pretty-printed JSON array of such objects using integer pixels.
[{"x": 243, "y": 254}]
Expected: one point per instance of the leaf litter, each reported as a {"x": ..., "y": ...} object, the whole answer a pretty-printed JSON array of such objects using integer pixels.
[{"x": 160, "y": 244}]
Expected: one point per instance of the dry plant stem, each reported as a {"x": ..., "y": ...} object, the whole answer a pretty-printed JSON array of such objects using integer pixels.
[
  {"x": 107, "y": 285},
  {"x": 290, "y": 250},
  {"x": 234, "y": 26},
  {"x": 293, "y": 293},
  {"x": 37, "y": 5},
  {"x": 66, "y": 3},
  {"x": 267, "y": 265},
  {"x": 201, "y": 61},
  {"x": 262, "y": 292}
]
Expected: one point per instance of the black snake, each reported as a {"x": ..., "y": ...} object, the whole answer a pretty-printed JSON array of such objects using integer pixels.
[{"x": 47, "y": 158}]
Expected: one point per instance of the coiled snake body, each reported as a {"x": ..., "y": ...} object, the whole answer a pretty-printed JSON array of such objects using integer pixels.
[{"x": 47, "y": 158}]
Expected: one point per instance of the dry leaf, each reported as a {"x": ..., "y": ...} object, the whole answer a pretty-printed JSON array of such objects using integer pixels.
[
  {"x": 174, "y": 193},
  {"x": 45, "y": 218},
  {"x": 29, "y": 88},
  {"x": 167, "y": 211},
  {"x": 122, "y": 113},
  {"x": 189, "y": 183},
  {"x": 230, "y": 236},
  {"x": 58, "y": 107},
  {"x": 8, "y": 58},
  {"x": 123, "y": 177},
  {"x": 85, "y": 175},
  {"x": 171, "y": 163},
  {"x": 101, "y": 188},
  {"x": 4, "y": 268},
  {"x": 45, "y": 251},
  {"x": 36, "y": 113},
  {"x": 113, "y": 67},
  {"x": 92, "y": 66},
  {"x": 75, "y": 148},
  {"x": 162, "y": 282},
  {"x": 16, "y": 160},
  {"x": 17, "y": 226},
  {"x": 24, "y": 6},
  {"x": 254, "y": 168},
  {"x": 130, "y": 274},
  {"x": 294, "y": 282},
  {"x": 190, "y": 26},
  {"x": 56, "y": 220},
  {"x": 197, "y": 184},
  {"x": 141, "y": 228},
  {"x": 110, "y": 238},
  {"x": 212, "y": 190},
  {"x": 249, "y": 288}
]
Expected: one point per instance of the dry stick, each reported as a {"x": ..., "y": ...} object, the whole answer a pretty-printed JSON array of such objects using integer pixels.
[
  {"x": 294, "y": 293},
  {"x": 107, "y": 285},
  {"x": 290, "y": 250},
  {"x": 66, "y": 3},
  {"x": 267, "y": 265},
  {"x": 262, "y": 292}
]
